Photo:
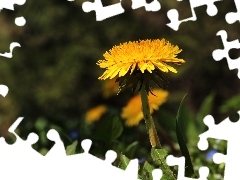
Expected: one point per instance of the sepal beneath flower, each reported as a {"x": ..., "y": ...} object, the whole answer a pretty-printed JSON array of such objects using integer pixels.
[{"x": 136, "y": 79}]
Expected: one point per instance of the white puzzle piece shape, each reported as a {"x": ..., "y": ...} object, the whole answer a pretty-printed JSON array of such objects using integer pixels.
[
  {"x": 9, "y": 4},
  {"x": 3, "y": 90},
  {"x": 12, "y": 46},
  {"x": 103, "y": 12},
  {"x": 232, "y": 17},
  {"x": 229, "y": 131},
  {"x": 173, "y": 14},
  {"x": 219, "y": 54},
  {"x": 26, "y": 163},
  {"x": 153, "y": 6},
  {"x": 19, "y": 21},
  {"x": 180, "y": 162}
]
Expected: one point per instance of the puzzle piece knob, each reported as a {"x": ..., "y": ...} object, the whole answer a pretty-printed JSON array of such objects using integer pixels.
[
  {"x": 32, "y": 138},
  {"x": 21, "y": 2},
  {"x": 202, "y": 143},
  {"x": 86, "y": 144},
  {"x": 173, "y": 16},
  {"x": 172, "y": 161},
  {"x": 230, "y": 18},
  {"x": 3, "y": 90},
  {"x": 87, "y": 7},
  {"x": 219, "y": 158},
  {"x": 218, "y": 54},
  {"x": 157, "y": 174},
  {"x": 110, "y": 156},
  {"x": 53, "y": 135},
  {"x": 209, "y": 121},
  {"x": 212, "y": 10},
  {"x": 203, "y": 172}
]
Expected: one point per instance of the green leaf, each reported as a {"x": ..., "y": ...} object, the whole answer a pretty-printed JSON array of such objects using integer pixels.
[
  {"x": 231, "y": 104},
  {"x": 131, "y": 149},
  {"x": 124, "y": 161},
  {"x": 43, "y": 151},
  {"x": 191, "y": 130},
  {"x": 43, "y": 138},
  {"x": 159, "y": 157},
  {"x": 71, "y": 149},
  {"x": 109, "y": 129},
  {"x": 146, "y": 172},
  {"x": 205, "y": 109},
  {"x": 41, "y": 124},
  {"x": 182, "y": 144},
  {"x": 148, "y": 167}
]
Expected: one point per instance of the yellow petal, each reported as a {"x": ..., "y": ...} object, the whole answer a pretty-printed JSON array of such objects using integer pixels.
[
  {"x": 124, "y": 69},
  {"x": 133, "y": 67}
]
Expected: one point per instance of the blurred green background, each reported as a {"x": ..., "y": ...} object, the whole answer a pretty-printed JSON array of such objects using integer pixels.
[{"x": 53, "y": 76}]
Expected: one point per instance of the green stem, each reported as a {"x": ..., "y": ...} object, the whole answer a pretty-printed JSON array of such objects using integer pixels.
[{"x": 152, "y": 132}]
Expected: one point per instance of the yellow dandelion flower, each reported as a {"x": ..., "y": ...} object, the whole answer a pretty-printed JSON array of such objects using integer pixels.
[
  {"x": 143, "y": 55},
  {"x": 149, "y": 57},
  {"x": 95, "y": 113},
  {"x": 132, "y": 112}
]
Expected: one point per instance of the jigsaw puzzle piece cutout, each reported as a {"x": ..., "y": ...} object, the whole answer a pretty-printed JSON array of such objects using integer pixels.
[
  {"x": 103, "y": 12},
  {"x": 86, "y": 145},
  {"x": 58, "y": 149},
  {"x": 4, "y": 148},
  {"x": 19, "y": 155},
  {"x": 110, "y": 156},
  {"x": 180, "y": 162},
  {"x": 232, "y": 17},
  {"x": 231, "y": 167},
  {"x": 22, "y": 148},
  {"x": 203, "y": 143},
  {"x": 32, "y": 138},
  {"x": 9, "y": 4},
  {"x": 12, "y": 46},
  {"x": 157, "y": 174},
  {"x": 219, "y": 158},
  {"x": 91, "y": 167},
  {"x": 230, "y": 159},
  {"x": 56, "y": 156},
  {"x": 218, "y": 131},
  {"x": 219, "y": 54},
  {"x": 120, "y": 174},
  {"x": 215, "y": 131},
  {"x": 103, "y": 169},
  {"x": 14, "y": 126},
  {"x": 3, "y": 90},
  {"x": 173, "y": 14},
  {"x": 153, "y": 6}
]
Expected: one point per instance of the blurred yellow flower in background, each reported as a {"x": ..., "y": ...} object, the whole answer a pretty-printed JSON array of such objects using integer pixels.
[
  {"x": 95, "y": 113},
  {"x": 110, "y": 87},
  {"x": 132, "y": 112},
  {"x": 141, "y": 55}
]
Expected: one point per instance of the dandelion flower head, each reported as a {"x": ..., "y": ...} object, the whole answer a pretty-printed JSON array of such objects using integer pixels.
[
  {"x": 144, "y": 55},
  {"x": 132, "y": 112}
]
